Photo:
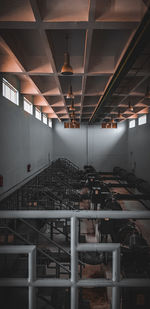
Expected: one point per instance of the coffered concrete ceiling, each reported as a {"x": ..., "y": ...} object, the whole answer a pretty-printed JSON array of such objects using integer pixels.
[{"x": 101, "y": 33}]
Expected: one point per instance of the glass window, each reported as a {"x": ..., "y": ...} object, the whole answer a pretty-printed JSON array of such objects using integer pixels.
[
  {"x": 28, "y": 106},
  {"x": 142, "y": 120},
  {"x": 37, "y": 113},
  {"x": 10, "y": 92},
  {"x": 50, "y": 123},
  {"x": 132, "y": 123},
  {"x": 44, "y": 119}
]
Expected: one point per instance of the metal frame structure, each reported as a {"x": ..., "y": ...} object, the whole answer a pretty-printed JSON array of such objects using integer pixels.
[{"x": 31, "y": 282}]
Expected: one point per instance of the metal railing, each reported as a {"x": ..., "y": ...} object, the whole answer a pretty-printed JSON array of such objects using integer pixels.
[{"x": 31, "y": 282}]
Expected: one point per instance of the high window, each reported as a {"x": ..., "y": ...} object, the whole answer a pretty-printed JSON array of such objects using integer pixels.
[
  {"x": 132, "y": 123},
  {"x": 10, "y": 92},
  {"x": 142, "y": 120},
  {"x": 50, "y": 123},
  {"x": 37, "y": 113},
  {"x": 44, "y": 119},
  {"x": 28, "y": 106}
]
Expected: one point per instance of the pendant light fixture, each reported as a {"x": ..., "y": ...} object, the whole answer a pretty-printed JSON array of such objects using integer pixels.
[
  {"x": 119, "y": 114},
  {"x": 73, "y": 120},
  {"x": 72, "y": 116},
  {"x": 66, "y": 68},
  {"x": 130, "y": 107},
  {"x": 72, "y": 108},
  {"x": 70, "y": 94},
  {"x": 112, "y": 120}
]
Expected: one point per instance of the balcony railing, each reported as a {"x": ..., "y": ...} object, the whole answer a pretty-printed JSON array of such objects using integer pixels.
[{"x": 32, "y": 282}]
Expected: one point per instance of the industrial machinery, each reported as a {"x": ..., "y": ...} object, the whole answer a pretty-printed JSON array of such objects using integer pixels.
[{"x": 63, "y": 186}]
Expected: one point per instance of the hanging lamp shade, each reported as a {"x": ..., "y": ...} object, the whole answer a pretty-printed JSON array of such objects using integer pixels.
[
  {"x": 72, "y": 108},
  {"x": 119, "y": 115},
  {"x": 66, "y": 68},
  {"x": 70, "y": 94},
  {"x": 72, "y": 116},
  {"x": 130, "y": 108}
]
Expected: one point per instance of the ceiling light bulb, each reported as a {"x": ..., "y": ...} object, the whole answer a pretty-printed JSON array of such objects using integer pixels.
[{"x": 130, "y": 108}]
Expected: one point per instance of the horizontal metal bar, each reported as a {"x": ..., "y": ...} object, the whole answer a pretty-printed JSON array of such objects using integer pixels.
[
  {"x": 98, "y": 247},
  {"x": 52, "y": 283},
  {"x": 141, "y": 282},
  {"x": 16, "y": 282},
  {"x": 38, "y": 249},
  {"x": 16, "y": 249},
  {"x": 110, "y": 283},
  {"x": 89, "y": 214}
]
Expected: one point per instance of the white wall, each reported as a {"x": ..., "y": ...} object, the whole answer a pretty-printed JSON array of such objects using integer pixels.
[
  {"x": 103, "y": 148},
  {"x": 139, "y": 150},
  {"x": 26, "y": 140},
  {"x": 23, "y": 140}
]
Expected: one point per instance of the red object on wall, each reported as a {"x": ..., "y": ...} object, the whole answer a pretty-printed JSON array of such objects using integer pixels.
[
  {"x": 29, "y": 168},
  {"x": 1, "y": 181}
]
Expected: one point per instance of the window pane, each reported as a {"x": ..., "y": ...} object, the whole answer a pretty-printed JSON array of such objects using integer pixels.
[
  {"x": 10, "y": 92},
  {"x": 50, "y": 123},
  {"x": 132, "y": 123},
  {"x": 28, "y": 106},
  {"x": 142, "y": 120},
  {"x": 44, "y": 119},
  {"x": 37, "y": 114}
]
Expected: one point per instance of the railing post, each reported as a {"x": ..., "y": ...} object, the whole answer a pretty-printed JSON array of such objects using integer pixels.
[
  {"x": 32, "y": 278},
  {"x": 74, "y": 263},
  {"x": 116, "y": 278}
]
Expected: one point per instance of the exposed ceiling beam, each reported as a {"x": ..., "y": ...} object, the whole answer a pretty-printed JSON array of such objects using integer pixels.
[
  {"x": 11, "y": 53},
  {"x": 133, "y": 90},
  {"x": 69, "y": 25},
  {"x": 47, "y": 47},
  {"x": 87, "y": 50},
  {"x": 127, "y": 60}
]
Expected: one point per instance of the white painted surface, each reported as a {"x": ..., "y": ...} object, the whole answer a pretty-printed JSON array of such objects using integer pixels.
[
  {"x": 103, "y": 148},
  {"x": 23, "y": 140},
  {"x": 139, "y": 150}
]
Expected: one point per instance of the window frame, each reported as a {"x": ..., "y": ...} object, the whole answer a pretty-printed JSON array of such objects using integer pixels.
[
  {"x": 29, "y": 103},
  {"x": 130, "y": 123},
  {"x": 12, "y": 89},
  {"x": 44, "y": 117},
  {"x": 38, "y": 111},
  {"x": 50, "y": 124},
  {"x": 142, "y": 117}
]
